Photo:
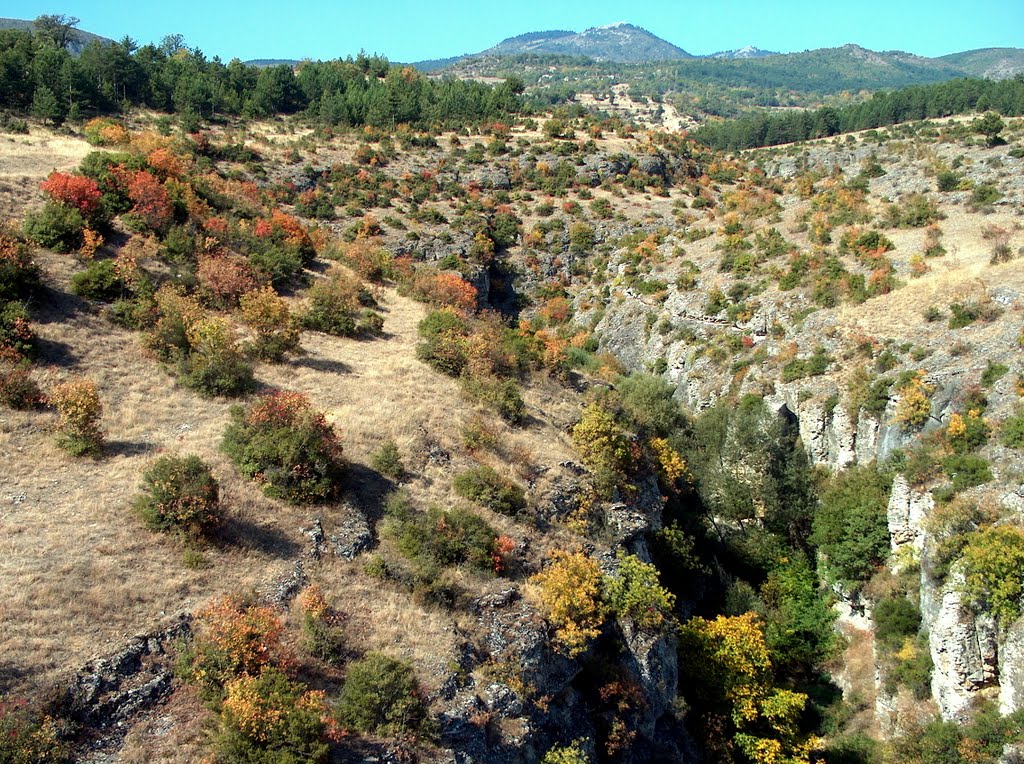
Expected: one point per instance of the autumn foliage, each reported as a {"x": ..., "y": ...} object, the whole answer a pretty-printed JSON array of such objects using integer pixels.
[
  {"x": 76, "y": 191},
  {"x": 569, "y": 590},
  {"x": 79, "y": 409}
]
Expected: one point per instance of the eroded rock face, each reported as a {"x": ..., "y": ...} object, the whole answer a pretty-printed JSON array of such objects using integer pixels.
[
  {"x": 906, "y": 513},
  {"x": 109, "y": 691},
  {"x": 964, "y": 652},
  {"x": 1011, "y": 668}
]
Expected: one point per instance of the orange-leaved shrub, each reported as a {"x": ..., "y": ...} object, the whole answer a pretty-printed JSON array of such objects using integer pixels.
[
  {"x": 233, "y": 637},
  {"x": 79, "y": 409}
]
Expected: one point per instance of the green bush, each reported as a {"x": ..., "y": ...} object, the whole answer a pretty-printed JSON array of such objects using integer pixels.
[
  {"x": 634, "y": 593},
  {"x": 896, "y": 618},
  {"x": 446, "y": 538},
  {"x": 179, "y": 494},
  {"x": 993, "y": 373},
  {"x": 985, "y": 195},
  {"x": 387, "y": 460},
  {"x": 281, "y": 442},
  {"x": 484, "y": 486},
  {"x": 56, "y": 227},
  {"x": 271, "y": 719},
  {"x": 1012, "y": 431},
  {"x": 966, "y": 470},
  {"x": 99, "y": 281},
  {"x": 223, "y": 372},
  {"x": 850, "y": 527},
  {"x": 649, "y": 403},
  {"x": 994, "y": 571},
  {"x": 381, "y": 696},
  {"x": 502, "y": 395}
]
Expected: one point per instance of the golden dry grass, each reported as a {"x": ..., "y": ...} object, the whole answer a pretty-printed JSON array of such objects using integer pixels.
[
  {"x": 79, "y": 573},
  {"x": 25, "y": 160}
]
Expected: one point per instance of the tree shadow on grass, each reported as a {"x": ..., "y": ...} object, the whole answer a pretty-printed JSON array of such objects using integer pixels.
[
  {"x": 366, "y": 489},
  {"x": 265, "y": 539},
  {"x": 53, "y": 353},
  {"x": 327, "y": 365},
  {"x": 128, "y": 448}
]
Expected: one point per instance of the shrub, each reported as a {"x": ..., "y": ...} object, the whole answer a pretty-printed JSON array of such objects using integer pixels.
[
  {"x": 602, "y": 446},
  {"x": 17, "y": 388},
  {"x": 322, "y": 635},
  {"x": 444, "y": 346},
  {"x": 985, "y": 195},
  {"x": 500, "y": 394},
  {"x": 484, "y": 486},
  {"x": 445, "y": 290},
  {"x": 99, "y": 281},
  {"x": 179, "y": 494},
  {"x": 79, "y": 409},
  {"x": 381, "y": 696},
  {"x": 914, "y": 406},
  {"x": 17, "y": 340},
  {"x": 56, "y": 227},
  {"x": 333, "y": 306},
  {"x": 1012, "y": 431},
  {"x": 287, "y": 447},
  {"x": 966, "y": 470},
  {"x": 151, "y": 203},
  {"x": 447, "y": 538},
  {"x": 233, "y": 637},
  {"x": 566, "y": 754},
  {"x": 993, "y": 373},
  {"x": 270, "y": 719},
  {"x": 387, "y": 460},
  {"x": 277, "y": 331},
  {"x": 648, "y": 402},
  {"x": 76, "y": 191},
  {"x": 28, "y": 737},
  {"x": 634, "y": 594},
  {"x": 569, "y": 590},
  {"x": 277, "y": 263},
  {"x": 211, "y": 363},
  {"x": 994, "y": 571},
  {"x": 223, "y": 279},
  {"x": 19, "y": 275},
  {"x": 896, "y": 618}
]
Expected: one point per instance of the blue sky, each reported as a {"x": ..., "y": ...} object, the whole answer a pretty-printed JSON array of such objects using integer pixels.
[{"x": 410, "y": 30}]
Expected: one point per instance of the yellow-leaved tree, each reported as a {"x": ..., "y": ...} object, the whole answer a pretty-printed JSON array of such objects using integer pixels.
[
  {"x": 729, "y": 667},
  {"x": 569, "y": 590}
]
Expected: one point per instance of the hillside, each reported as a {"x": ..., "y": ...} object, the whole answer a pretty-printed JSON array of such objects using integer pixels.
[
  {"x": 532, "y": 420},
  {"x": 994, "y": 63}
]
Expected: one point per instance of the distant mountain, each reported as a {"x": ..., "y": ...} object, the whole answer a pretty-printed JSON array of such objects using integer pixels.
[
  {"x": 994, "y": 63},
  {"x": 748, "y": 51},
  {"x": 620, "y": 42},
  {"x": 262, "y": 62},
  {"x": 80, "y": 39}
]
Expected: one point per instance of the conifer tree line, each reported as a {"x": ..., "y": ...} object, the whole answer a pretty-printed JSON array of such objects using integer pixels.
[
  {"x": 959, "y": 96},
  {"x": 40, "y": 75}
]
